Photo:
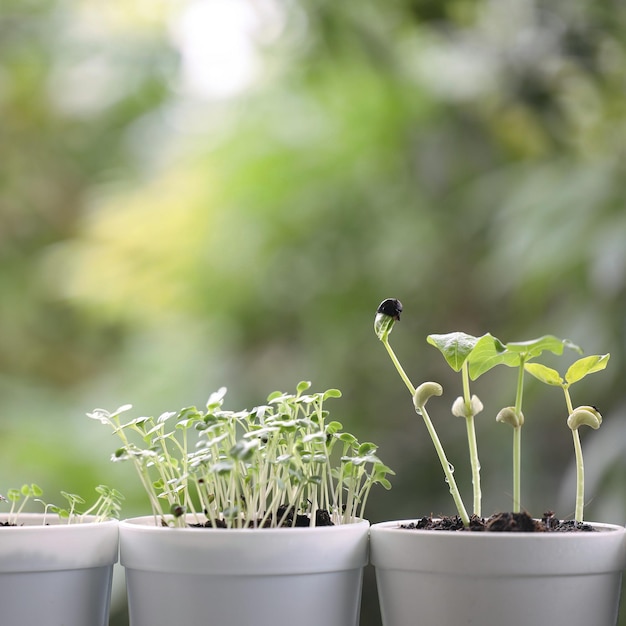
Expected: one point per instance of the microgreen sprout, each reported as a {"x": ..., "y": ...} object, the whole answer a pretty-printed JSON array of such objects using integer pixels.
[
  {"x": 282, "y": 463},
  {"x": 107, "y": 505},
  {"x": 472, "y": 357},
  {"x": 581, "y": 416}
]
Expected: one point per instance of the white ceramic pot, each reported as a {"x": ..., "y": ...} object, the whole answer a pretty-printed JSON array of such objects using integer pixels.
[
  {"x": 56, "y": 574},
  {"x": 459, "y": 578},
  {"x": 243, "y": 577}
]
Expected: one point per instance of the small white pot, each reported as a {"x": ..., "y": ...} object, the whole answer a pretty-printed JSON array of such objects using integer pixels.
[
  {"x": 484, "y": 578},
  {"x": 56, "y": 574},
  {"x": 241, "y": 577}
]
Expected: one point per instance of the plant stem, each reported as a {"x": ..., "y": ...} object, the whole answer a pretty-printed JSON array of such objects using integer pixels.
[
  {"x": 446, "y": 466},
  {"x": 580, "y": 477},
  {"x": 475, "y": 463},
  {"x": 517, "y": 453},
  {"x": 517, "y": 439},
  {"x": 471, "y": 440},
  {"x": 399, "y": 367},
  {"x": 580, "y": 466}
]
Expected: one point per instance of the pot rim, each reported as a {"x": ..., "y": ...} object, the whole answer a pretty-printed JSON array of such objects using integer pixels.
[
  {"x": 149, "y": 523},
  {"x": 602, "y": 528}
]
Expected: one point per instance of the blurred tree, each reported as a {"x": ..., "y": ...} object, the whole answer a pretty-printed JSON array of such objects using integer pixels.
[{"x": 73, "y": 87}]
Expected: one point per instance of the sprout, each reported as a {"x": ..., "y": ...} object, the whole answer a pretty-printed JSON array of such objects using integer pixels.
[
  {"x": 474, "y": 356},
  {"x": 278, "y": 464},
  {"x": 106, "y": 506},
  {"x": 387, "y": 313},
  {"x": 583, "y": 415}
]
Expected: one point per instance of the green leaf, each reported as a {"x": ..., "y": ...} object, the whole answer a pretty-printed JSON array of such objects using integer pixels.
[
  {"x": 333, "y": 427},
  {"x": 36, "y": 491},
  {"x": 587, "y": 365},
  {"x": 487, "y": 353},
  {"x": 332, "y": 393},
  {"x": 490, "y": 352},
  {"x": 534, "y": 347},
  {"x": 347, "y": 438},
  {"x": 367, "y": 448},
  {"x": 455, "y": 347},
  {"x": 303, "y": 386},
  {"x": 544, "y": 374}
]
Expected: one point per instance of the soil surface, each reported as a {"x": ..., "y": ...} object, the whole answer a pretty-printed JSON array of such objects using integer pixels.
[
  {"x": 322, "y": 518},
  {"x": 502, "y": 522}
]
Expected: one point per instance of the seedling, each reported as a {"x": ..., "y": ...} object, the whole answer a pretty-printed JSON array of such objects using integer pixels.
[
  {"x": 474, "y": 356},
  {"x": 106, "y": 506},
  {"x": 282, "y": 463},
  {"x": 583, "y": 415}
]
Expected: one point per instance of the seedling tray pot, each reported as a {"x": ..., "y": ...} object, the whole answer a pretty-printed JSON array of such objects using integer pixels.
[
  {"x": 243, "y": 577},
  {"x": 457, "y": 578},
  {"x": 56, "y": 574}
]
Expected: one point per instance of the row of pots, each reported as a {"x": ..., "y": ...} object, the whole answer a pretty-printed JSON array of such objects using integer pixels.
[{"x": 60, "y": 575}]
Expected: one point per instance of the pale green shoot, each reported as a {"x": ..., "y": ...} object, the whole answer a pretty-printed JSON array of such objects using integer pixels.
[
  {"x": 490, "y": 352},
  {"x": 582, "y": 415},
  {"x": 456, "y": 348},
  {"x": 387, "y": 314}
]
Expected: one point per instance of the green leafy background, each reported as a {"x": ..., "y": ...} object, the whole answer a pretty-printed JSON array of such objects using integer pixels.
[{"x": 466, "y": 157}]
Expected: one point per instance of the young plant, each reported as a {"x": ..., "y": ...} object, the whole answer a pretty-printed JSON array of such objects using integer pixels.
[
  {"x": 489, "y": 352},
  {"x": 472, "y": 357},
  {"x": 583, "y": 415},
  {"x": 107, "y": 505},
  {"x": 456, "y": 349},
  {"x": 387, "y": 314},
  {"x": 280, "y": 464},
  {"x": 18, "y": 499}
]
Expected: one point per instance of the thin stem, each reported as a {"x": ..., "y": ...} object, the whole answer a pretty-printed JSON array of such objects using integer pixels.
[
  {"x": 517, "y": 440},
  {"x": 446, "y": 466},
  {"x": 399, "y": 367},
  {"x": 580, "y": 477},
  {"x": 568, "y": 400},
  {"x": 471, "y": 440},
  {"x": 475, "y": 463},
  {"x": 580, "y": 466},
  {"x": 520, "y": 386},
  {"x": 517, "y": 453}
]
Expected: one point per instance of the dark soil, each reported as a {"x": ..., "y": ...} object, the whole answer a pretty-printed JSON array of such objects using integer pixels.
[
  {"x": 322, "y": 518},
  {"x": 502, "y": 522}
]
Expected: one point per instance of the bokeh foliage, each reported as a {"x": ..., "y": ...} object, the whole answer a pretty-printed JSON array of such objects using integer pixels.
[{"x": 466, "y": 157}]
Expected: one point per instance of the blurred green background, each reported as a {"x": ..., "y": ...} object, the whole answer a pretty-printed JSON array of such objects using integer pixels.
[{"x": 220, "y": 192}]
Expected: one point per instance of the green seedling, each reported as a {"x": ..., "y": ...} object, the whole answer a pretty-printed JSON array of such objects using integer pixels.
[
  {"x": 387, "y": 314},
  {"x": 456, "y": 349},
  {"x": 107, "y": 505},
  {"x": 474, "y": 356},
  {"x": 581, "y": 416},
  {"x": 18, "y": 499},
  {"x": 489, "y": 352},
  {"x": 278, "y": 464}
]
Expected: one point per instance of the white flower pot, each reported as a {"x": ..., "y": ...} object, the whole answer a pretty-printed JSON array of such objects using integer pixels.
[
  {"x": 456, "y": 578},
  {"x": 56, "y": 574},
  {"x": 242, "y": 577}
]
